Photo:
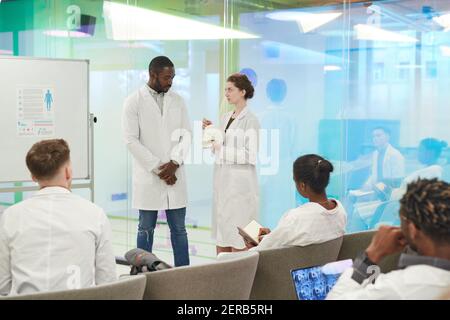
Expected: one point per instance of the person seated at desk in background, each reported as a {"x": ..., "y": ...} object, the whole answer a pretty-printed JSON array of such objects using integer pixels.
[
  {"x": 318, "y": 221},
  {"x": 387, "y": 172},
  {"x": 55, "y": 240},
  {"x": 428, "y": 154},
  {"x": 388, "y": 164},
  {"x": 425, "y": 225}
]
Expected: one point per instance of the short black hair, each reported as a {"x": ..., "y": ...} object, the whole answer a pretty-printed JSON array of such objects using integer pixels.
[
  {"x": 314, "y": 171},
  {"x": 159, "y": 63},
  {"x": 426, "y": 203}
]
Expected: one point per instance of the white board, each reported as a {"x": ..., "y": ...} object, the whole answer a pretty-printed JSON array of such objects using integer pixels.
[{"x": 42, "y": 99}]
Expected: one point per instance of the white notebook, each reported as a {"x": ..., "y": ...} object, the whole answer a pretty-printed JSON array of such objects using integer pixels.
[{"x": 250, "y": 232}]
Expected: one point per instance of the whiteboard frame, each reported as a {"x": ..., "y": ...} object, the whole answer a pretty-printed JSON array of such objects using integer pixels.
[{"x": 90, "y": 136}]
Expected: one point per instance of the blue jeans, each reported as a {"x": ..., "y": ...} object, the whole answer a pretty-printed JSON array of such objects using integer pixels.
[{"x": 178, "y": 234}]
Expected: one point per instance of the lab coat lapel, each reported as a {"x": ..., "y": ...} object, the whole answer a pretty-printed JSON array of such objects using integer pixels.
[
  {"x": 235, "y": 122},
  {"x": 151, "y": 101},
  {"x": 227, "y": 119},
  {"x": 166, "y": 104},
  {"x": 386, "y": 159},
  {"x": 242, "y": 114}
]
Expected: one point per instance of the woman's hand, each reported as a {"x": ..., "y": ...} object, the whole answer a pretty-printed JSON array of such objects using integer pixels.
[
  {"x": 248, "y": 244},
  {"x": 206, "y": 123},
  {"x": 262, "y": 233}
]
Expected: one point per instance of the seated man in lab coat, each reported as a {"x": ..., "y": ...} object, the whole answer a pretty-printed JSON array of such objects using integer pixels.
[
  {"x": 55, "y": 240},
  {"x": 388, "y": 170},
  {"x": 388, "y": 164},
  {"x": 425, "y": 225}
]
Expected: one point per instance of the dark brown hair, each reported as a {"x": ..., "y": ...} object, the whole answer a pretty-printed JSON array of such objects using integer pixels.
[
  {"x": 426, "y": 203},
  {"x": 241, "y": 82},
  {"x": 46, "y": 157}
]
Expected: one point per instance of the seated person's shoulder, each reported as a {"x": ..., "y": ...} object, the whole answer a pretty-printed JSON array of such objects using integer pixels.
[
  {"x": 339, "y": 205},
  {"x": 86, "y": 204},
  {"x": 17, "y": 208},
  {"x": 301, "y": 209}
]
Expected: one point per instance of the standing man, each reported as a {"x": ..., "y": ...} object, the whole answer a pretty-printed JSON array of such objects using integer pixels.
[{"x": 157, "y": 132}]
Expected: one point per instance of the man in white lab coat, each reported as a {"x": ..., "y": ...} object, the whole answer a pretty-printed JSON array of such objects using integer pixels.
[
  {"x": 55, "y": 240},
  {"x": 387, "y": 172},
  {"x": 425, "y": 225},
  {"x": 388, "y": 164},
  {"x": 156, "y": 131}
]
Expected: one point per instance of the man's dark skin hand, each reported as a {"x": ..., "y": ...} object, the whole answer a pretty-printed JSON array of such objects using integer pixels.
[
  {"x": 168, "y": 172},
  {"x": 171, "y": 180},
  {"x": 388, "y": 240}
]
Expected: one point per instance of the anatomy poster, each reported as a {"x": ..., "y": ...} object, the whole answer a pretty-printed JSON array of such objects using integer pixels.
[{"x": 36, "y": 111}]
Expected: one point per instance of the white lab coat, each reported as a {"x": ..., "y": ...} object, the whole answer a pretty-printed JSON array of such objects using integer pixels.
[
  {"x": 393, "y": 165},
  {"x": 154, "y": 139},
  {"x": 430, "y": 172},
  {"x": 418, "y": 282},
  {"x": 307, "y": 224},
  {"x": 54, "y": 240},
  {"x": 236, "y": 191}
]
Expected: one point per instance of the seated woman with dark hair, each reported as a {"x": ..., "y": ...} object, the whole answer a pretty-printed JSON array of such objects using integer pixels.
[{"x": 318, "y": 221}]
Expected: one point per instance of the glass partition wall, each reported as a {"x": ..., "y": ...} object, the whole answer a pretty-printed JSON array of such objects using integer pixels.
[{"x": 348, "y": 80}]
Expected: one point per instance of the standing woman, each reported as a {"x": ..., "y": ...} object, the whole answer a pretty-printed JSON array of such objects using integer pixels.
[{"x": 236, "y": 198}]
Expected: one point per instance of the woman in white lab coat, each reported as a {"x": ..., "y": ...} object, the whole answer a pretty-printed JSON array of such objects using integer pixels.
[{"x": 236, "y": 191}]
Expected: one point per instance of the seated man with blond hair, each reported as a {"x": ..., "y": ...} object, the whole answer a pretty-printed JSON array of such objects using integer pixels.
[{"x": 55, "y": 240}]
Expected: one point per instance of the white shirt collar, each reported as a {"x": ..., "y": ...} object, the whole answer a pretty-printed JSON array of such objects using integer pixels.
[
  {"x": 240, "y": 115},
  {"x": 153, "y": 92},
  {"x": 52, "y": 190}
]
